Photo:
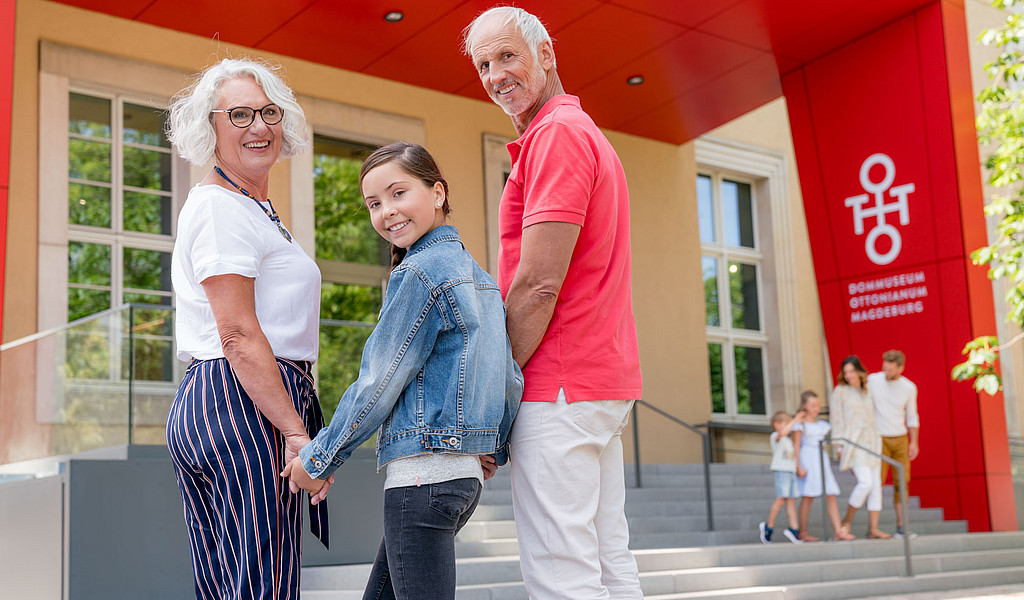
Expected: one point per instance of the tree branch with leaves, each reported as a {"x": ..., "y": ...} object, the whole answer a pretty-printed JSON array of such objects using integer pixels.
[{"x": 1001, "y": 124}]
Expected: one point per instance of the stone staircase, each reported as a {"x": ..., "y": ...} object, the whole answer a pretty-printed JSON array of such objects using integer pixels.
[{"x": 679, "y": 559}]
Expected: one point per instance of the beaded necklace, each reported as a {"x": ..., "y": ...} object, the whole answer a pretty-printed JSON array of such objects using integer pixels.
[{"x": 271, "y": 214}]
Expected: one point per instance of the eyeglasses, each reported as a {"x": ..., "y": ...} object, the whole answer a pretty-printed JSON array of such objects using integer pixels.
[{"x": 243, "y": 116}]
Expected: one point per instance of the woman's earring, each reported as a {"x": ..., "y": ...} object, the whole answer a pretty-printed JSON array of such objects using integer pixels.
[{"x": 440, "y": 203}]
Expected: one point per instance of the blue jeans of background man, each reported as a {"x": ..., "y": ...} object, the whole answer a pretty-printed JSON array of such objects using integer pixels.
[{"x": 416, "y": 559}]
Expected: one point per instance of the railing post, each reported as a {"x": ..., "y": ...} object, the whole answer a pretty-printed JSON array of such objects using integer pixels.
[
  {"x": 705, "y": 450},
  {"x": 824, "y": 499},
  {"x": 636, "y": 447},
  {"x": 904, "y": 498},
  {"x": 131, "y": 369},
  {"x": 707, "y": 480},
  {"x": 906, "y": 517}
]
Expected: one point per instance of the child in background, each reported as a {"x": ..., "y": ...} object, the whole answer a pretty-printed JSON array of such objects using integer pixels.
[
  {"x": 809, "y": 459},
  {"x": 787, "y": 488}
]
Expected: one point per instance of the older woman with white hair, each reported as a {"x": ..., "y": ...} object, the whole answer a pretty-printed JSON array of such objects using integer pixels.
[{"x": 248, "y": 303}]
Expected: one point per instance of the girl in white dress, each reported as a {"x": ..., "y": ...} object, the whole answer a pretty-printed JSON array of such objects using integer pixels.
[
  {"x": 853, "y": 418},
  {"x": 809, "y": 459}
]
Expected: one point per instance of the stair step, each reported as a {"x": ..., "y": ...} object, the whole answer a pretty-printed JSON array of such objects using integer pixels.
[
  {"x": 721, "y": 508},
  {"x": 886, "y": 586},
  {"x": 764, "y": 493},
  {"x": 925, "y": 521},
  {"x": 692, "y": 569},
  {"x": 679, "y": 559},
  {"x": 879, "y": 587},
  {"x": 823, "y": 571},
  {"x": 758, "y": 554},
  {"x": 751, "y": 593}
]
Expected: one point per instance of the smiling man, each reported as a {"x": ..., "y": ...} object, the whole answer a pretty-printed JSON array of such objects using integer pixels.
[{"x": 564, "y": 268}]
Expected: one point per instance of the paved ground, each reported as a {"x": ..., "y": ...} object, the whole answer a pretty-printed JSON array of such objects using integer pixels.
[{"x": 986, "y": 593}]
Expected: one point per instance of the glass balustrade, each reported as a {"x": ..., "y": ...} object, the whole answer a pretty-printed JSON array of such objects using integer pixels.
[{"x": 109, "y": 379}]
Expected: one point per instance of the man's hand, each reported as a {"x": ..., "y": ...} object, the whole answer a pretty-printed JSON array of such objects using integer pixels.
[
  {"x": 298, "y": 479},
  {"x": 489, "y": 466},
  {"x": 913, "y": 451}
]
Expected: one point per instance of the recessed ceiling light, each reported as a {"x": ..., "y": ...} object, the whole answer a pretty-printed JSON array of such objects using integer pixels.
[
  {"x": 394, "y": 16},
  {"x": 635, "y": 80}
]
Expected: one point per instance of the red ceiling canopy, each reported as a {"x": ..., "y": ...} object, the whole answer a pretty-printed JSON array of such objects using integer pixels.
[{"x": 704, "y": 62}]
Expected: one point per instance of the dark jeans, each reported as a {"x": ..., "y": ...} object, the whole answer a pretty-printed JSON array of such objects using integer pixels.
[{"x": 416, "y": 559}]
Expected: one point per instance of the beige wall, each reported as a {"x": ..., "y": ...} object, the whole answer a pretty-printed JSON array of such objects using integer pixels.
[
  {"x": 667, "y": 281},
  {"x": 667, "y": 294},
  {"x": 982, "y": 15}
]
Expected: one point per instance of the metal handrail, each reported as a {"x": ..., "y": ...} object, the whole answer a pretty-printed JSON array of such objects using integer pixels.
[
  {"x": 705, "y": 447},
  {"x": 904, "y": 490}
]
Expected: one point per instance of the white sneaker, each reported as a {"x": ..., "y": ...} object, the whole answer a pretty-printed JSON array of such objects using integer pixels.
[
  {"x": 765, "y": 531},
  {"x": 900, "y": 534},
  {"x": 792, "y": 536}
]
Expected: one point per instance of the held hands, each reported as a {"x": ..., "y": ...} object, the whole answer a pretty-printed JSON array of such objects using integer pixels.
[
  {"x": 298, "y": 479},
  {"x": 801, "y": 472},
  {"x": 317, "y": 488}
]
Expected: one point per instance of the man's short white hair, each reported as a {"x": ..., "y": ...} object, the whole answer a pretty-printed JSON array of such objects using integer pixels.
[
  {"x": 190, "y": 124},
  {"x": 529, "y": 26}
]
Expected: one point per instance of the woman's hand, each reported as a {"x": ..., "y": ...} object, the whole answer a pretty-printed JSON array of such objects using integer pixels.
[
  {"x": 801, "y": 472},
  {"x": 292, "y": 445}
]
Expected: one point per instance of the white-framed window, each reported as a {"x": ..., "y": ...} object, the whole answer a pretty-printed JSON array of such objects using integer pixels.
[
  {"x": 731, "y": 265},
  {"x": 745, "y": 209},
  {"x": 121, "y": 209},
  {"x": 110, "y": 188},
  {"x": 497, "y": 168},
  {"x": 329, "y": 221},
  {"x": 354, "y": 263}
]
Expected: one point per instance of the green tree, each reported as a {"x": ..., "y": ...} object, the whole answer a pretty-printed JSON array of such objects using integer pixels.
[{"x": 1001, "y": 123}]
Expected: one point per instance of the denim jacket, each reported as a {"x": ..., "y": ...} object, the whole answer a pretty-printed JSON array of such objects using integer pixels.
[{"x": 437, "y": 373}]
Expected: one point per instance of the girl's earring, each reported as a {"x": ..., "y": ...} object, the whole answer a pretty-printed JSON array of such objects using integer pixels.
[{"x": 440, "y": 203}]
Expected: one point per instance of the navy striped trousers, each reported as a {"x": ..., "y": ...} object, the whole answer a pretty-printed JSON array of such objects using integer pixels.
[{"x": 244, "y": 525}]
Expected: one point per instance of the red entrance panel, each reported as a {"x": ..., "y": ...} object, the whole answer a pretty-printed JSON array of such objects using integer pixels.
[{"x": 887, "y": 154}]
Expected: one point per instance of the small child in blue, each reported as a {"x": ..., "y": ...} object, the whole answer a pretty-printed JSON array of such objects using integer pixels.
[
  {"x": 810, "y": 459},
  {"x": 787, "y": 487},
  {"x": 437, "y": 381}
]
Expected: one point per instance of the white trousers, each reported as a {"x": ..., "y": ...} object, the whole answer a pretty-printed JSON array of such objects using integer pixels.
[
  {"x": 869, "y": 486},
  {"x": 569, "y": 495}
]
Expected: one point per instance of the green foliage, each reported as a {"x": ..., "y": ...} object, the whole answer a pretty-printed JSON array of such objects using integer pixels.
[
  {"x": 980, "y": 365},
  {"x": 1001, "y": 123},
  {"x": 343, "y": 234},
  {"x": 341, "y": 346},
  {"x": 343, "y": 229},
  {"x": 717, "y": 378},
  {"x": 711, "y": 309}
]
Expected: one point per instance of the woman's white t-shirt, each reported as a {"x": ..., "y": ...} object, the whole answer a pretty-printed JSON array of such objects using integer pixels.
[{"x": 221, "y": 232}]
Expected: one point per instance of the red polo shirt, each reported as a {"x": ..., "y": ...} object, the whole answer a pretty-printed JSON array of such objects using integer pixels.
[{"x": 564, "y": 169}]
